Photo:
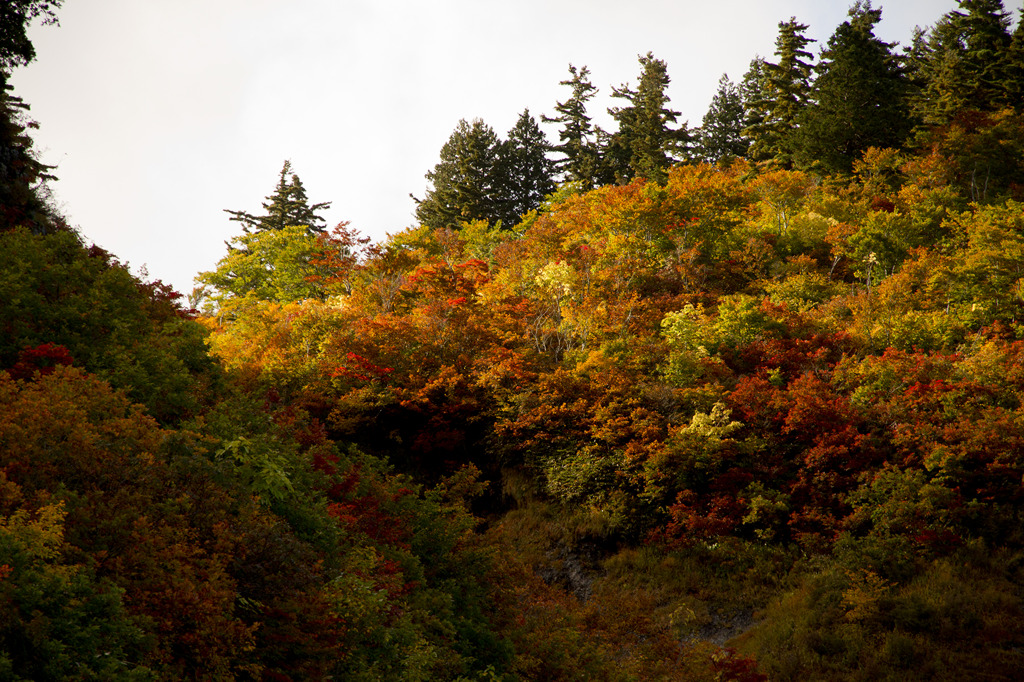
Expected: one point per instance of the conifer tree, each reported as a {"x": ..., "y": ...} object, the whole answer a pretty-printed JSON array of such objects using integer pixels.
[
  {"x": 271, "y": 259},
  {"x": 967, "y": 62},
  {"x": 578, "y": 138},
  {"x": 481, "y": 177},
  {"x": 23, "y": 198},
  {"x": 287, "y": 206},
  {"x": 22, "y": 176},
  {"x": 937, "y": 62},
  {"x": 916, "y": 56},
  {"x": 859, "y": 97},
  {"x": 1015, "y": 68},
  {"x": 15, "y": 15},
  {"x": 465, "y": 184},
  {"x": 755, "y": 92},
  {"x": 786, "y": 88},
  {"x": 524, "y": 171},
  {"x": 720, "y": 135},
  {"x": 987, "y": 51},
  {"x": 646, "y": 143}
]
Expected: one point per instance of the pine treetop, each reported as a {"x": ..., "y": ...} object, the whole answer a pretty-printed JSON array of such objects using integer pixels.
[{"x": 288, "y": 205}]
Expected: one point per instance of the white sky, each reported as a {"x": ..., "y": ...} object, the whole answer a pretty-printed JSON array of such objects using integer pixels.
[{"x": 160, "y": 113}]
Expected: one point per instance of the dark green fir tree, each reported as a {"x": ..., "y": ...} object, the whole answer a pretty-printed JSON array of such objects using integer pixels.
[
  {"x": 15, "y": 16},
  {"x": 720, "y": 136},
  {"x": 781, "y": 90},
  {"x": 859, "y": 99},
  {"x": 23, "y": 195},
  {"x": 465, "y": 184},
  {"x": 288, "y": 206},
  {"x": 987, "y": 55},
  {"x": 1015, "y": 68},
  {"x": 578, "y": 137},
  {"x": 524, "y": 172},
  {"x": 966, "y": 62},
  {"x": 755, "y": 92},
  {"x": 647, "y": 141}
]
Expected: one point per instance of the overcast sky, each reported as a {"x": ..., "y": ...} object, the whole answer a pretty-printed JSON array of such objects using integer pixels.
[{"x": 159, "y": 114}]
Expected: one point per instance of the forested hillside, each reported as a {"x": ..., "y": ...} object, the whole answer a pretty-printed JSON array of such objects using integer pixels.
[{"x": 740, "y": 401}]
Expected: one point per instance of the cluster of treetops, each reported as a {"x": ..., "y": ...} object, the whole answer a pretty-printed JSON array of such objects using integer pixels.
[
  {"x": 735, "y": 403},
  {"x": 817, "y": 115}
]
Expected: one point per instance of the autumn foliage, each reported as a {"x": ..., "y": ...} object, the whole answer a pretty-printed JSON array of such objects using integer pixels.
[
  {"x": 715, "y": 366},
  {"x": 743, "y": 422}
]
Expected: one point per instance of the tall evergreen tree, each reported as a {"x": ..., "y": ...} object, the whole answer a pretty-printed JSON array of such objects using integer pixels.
[
  {"x": 783, "y": 96},
  {"x": 23, "y": 197},
  {"x": 524, "y": 171},
  {"x": 15, "y": 16},
  {"x": 967, "y": 62},
  {"x": 757, "y": 101},
  {"x": 465, "y": 184},
  {"x": 859, "y": 97},
  {"x": 287, "y": 206},
  {"x": 720, "y": 136},
  {"x": 646, "y": 143},
  {"x": 1015, "y": 67},
  {"x": 481, "y": 177},
  {"x": 271, "y": 258},
  {"x": 916, "y": 57},
  {"x": 22, "y": 176},
  {"x": 578, "y": 138},
  {"x": 987, "y": 51}
]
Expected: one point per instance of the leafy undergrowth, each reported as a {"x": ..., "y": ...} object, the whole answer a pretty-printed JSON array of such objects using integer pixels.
[
  {"x": 957, "y": 619},
  {"x": 641, "y": 610}
]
